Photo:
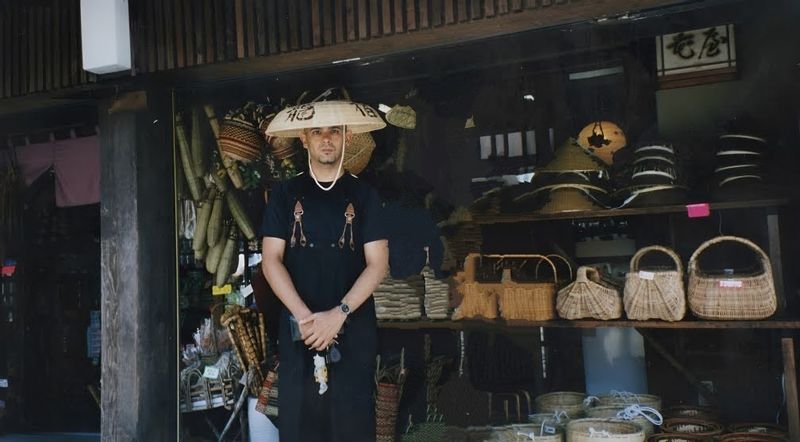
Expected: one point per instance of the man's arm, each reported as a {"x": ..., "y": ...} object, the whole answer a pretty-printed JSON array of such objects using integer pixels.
[
  {"x": 326, "y": 325},
  {"x": 278, "y": 278}
]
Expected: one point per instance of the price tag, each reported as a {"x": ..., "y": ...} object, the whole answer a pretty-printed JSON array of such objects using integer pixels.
[
  {"x": 220, "y": 291},
  {"x": 3, "y": 383},
  {"x": 247, "y": 290},
  {"x": 549, "y": 430},
  {"x": 211, "y": 372},
  {"x": 647, "y": 275},
  {"x": 730, "y": 283},
  {"x": 698, "y": 210},
  {"x": 727, "y": 272}
]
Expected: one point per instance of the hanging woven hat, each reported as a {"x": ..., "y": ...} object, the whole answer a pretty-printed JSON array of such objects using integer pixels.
[
  {"x": 403, "y": 117},
  {"x": 602, "y": 138},
  {"x": 291, "y": 122},
  {"x": 239, "y": 137},
  {"x": 570, "y": 157}
]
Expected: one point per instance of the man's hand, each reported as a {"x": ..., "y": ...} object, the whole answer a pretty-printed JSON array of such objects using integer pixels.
[
  {"x": 305, "y": 325},
  {"x": 323, "y": 328}
]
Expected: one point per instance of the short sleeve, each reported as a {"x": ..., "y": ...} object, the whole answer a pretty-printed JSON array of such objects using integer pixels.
[
  {"x": 374, "y": 221},
  {"x": 275, "y": 222}
]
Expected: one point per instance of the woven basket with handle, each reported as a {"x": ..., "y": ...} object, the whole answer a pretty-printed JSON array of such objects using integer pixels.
[
  {"x": 613, "y": 411},
  {"x": 731, "y": 296},
  {"x": 589, "y": 297},
  {"x": 655, "y": 293},
  {"x": 625, "y": 398},
  {"x": 570, "y": 402},
  {"x": 477, "y": 300},
  {"x": 607, "y": 430},
  {"x": 531, "y": 301}
]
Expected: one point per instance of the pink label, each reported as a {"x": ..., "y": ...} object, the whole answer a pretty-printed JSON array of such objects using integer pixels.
[
  {"x": 730, "y": 283},
  {"x": 698, "y": 210},
  {"x": 9, "y": 270}
]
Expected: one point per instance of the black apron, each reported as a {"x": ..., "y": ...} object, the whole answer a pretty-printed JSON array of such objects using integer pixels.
[{"x": 322, "y": 273}]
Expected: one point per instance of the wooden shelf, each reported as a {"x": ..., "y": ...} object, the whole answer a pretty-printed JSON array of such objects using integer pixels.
[
  {"x": 510, "y": 326},
  {"x": 607, "y": 213}
]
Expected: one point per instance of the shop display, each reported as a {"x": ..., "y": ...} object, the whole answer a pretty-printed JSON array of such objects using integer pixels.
[
  {"x": 589, "y": 297},
  {"x": 655, "y": 177},
  {"x": 200, "y": 391},
  {"x": 532, "y": 301},
  {"x": 399, "y": 298},
  {"x": 655, "y": 293},
  {"x": 739, "y": 163},
  {"x": 590, "y": 429},
  {"x": 603, "y": 139},
  {"x": 728, "y": 295}
]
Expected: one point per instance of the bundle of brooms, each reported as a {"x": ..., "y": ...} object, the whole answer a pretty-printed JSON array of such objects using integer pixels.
[{"x": 247, "y": 332}]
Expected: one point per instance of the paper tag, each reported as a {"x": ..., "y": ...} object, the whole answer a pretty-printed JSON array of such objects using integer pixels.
[
  {"x": 211, "y": 372},
  {"x": 247, "y": 290},
  {"x": 647, "y": 275},
  {"x": 698, "y": 210},
  {"x": 224, "y": 290},
  {"x": 730, "y": 283},
  {"x": 3, "y": 383},
  {"x": 727, "y": 272},
  {"x": 549, "y": 430}
]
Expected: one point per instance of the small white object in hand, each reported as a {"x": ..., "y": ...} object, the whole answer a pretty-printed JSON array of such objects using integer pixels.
[{"x": 321, "y": 373}]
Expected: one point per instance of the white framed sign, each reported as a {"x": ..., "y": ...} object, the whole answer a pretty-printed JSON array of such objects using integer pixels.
[{"x": 695, "y": 57}]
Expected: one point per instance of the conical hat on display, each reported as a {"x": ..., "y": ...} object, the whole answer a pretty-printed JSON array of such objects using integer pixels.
[
  {"x": 291, "y": 121},
  {"x": 571, "y": 157}
]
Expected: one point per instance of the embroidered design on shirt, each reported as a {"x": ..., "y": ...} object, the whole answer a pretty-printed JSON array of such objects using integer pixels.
[
  {"x": 298, "y": 221},
  {"x": 349, "y": 216}
]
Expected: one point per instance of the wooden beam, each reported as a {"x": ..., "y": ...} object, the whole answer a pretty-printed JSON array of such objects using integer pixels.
[
  {"x": 138, "y": 271},
  {"x": 709, "y": 395},
  {"x": 790, "y": 384}
]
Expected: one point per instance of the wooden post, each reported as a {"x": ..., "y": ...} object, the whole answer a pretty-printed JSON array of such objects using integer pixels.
[
  {"x": 139, "y": 359},
  {"x": 790, "y": 385}
]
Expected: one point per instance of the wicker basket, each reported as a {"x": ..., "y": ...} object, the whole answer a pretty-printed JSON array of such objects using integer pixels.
[
  {"x": 752, "y": 437},
  {"x": 531, "y": 301},
  {"x": 731, "y": 297},
  {"x": 692, "y": 412},
  {"x": 387, "y": 403},
  {"x": 544, "y": 420},
  {"x": 676, "y": 437},
  {"x": 358, "y": 152},
  {"x": 697, "y": 427},
  {"x": 239, "y": 138},
  {"x": 625, "y": 398},
  {"x": 656, "y": 293},
  {"x": 570, "y": 402},
  {"x": 613, "y": 412},
  {"x": 589, "y": 297},
  {"x": 591, "y": 430},
  {"x": 521, "y": 433},
  {"x": 477, "y": 300},
  {"x": 758, "y": 428}
]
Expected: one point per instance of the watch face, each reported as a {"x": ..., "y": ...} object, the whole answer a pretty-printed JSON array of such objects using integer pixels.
[{"x": 345, "y": 308}]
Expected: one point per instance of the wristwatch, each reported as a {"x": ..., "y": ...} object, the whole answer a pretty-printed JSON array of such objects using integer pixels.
[{"x": 344, "y": 308}]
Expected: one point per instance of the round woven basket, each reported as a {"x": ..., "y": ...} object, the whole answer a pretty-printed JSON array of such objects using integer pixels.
[
  {"x": 691, "y": 411},
  {"x": 752, "y": 437},
  {"x": 698, "y": 427},
  {"x": 675, "y": 437},
  {"x": 611, "y": 412},
  {"x": 240, "y": 139},
  {"x": 757, "y": 427},
  {"x": 607, "y": 430},
  {"x": 358, "y": 152},
  {"x": 387, "y": 402},
  {"x": 514, "y": 433},
  {"x": 548, "y": 419},
  {"x": 570, "y": 402},
  {"x": 623, "y": 399}
]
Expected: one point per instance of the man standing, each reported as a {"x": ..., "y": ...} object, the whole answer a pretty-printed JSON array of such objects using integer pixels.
[{"x": 324, "y": 253}]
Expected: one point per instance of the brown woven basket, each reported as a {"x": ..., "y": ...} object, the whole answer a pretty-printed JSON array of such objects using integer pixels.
[
  {"x": 592, "y": 430},
  {"x": 358, "y": 152},
  {"x": 525, "y": 432},
  {"x": 752, "y": 437},
  {"x": 677, "y": 437},
  {"x": 758, "y": 428},
  {"x": 731, "y": 297},
  {"x": 477, "y": 300},
  {"x": 239, "y": 139},
  {"x": 387, "y": 403},
  {"x": 589, "y": 297},
  {"x": 698, "y": 427},
  {"x": 531, "y": 301},
  {"x": 691, "y": 411},
  {"x": 569, "y": 402},
  {"x": 624, "y": 399},
  {"x": 656, "y": 293}
]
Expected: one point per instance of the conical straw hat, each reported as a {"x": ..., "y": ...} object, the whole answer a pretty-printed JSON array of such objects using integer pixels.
[
  {"x": 572, "y": 157},
  {"x": 291, "y": 122}
]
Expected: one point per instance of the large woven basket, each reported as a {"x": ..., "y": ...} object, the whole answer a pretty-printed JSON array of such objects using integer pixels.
[
  {"x": 758, "y": 428},
  {"x": 477, "y": 300},
  {"x": 613, "y": 412},
  {"x": 239, "y": 138},
  {"x": 607, "y": 430},
  {"x": 731, "y": 297},
  {"x": 625, "y": 398},
  {"x": 752, "y": 437},
  {"x": 527, "y": 432},
  {"x": 589, "y": 297},
  {"x": 531, "y": 301},
  {"x": 691, "y": 411},
  {"x": 387, "y": 403},
  {"x": 676, "y": 437},
  {"x": 655, "y": 293},
  {"x": 570, "y": 402},
  {"x": 358, "y": 152}
]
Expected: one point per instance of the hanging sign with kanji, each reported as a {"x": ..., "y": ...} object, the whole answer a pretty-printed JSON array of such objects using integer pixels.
[{"x": 695, "y": 57}]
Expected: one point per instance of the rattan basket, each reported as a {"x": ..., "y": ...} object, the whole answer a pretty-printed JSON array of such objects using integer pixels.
[
  {"x": 691, "y": 411},
  {"x": 752, "y": 437},
  {"x": 570, "y": 402},
  {"x": 613, "y": 412},
  {"x": 589, "y": 297},
  {"x": 239, "y": 137},
  {"x": 623, "y": 398},
  {"x": 477, "y": 300},
  {"x": 358, "y": 152},
  {"x": 758, "y": 427},
  {"x": 697, "y": 427},
  {"x": 530, "y": 301},
  {"x": 526, "y": 432},
  {"x": 655, "y": 293},
  {"x": 676, "y": 437},
  {"x": 731, "y": 297},
  {"x": 607, "y": 430}
]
